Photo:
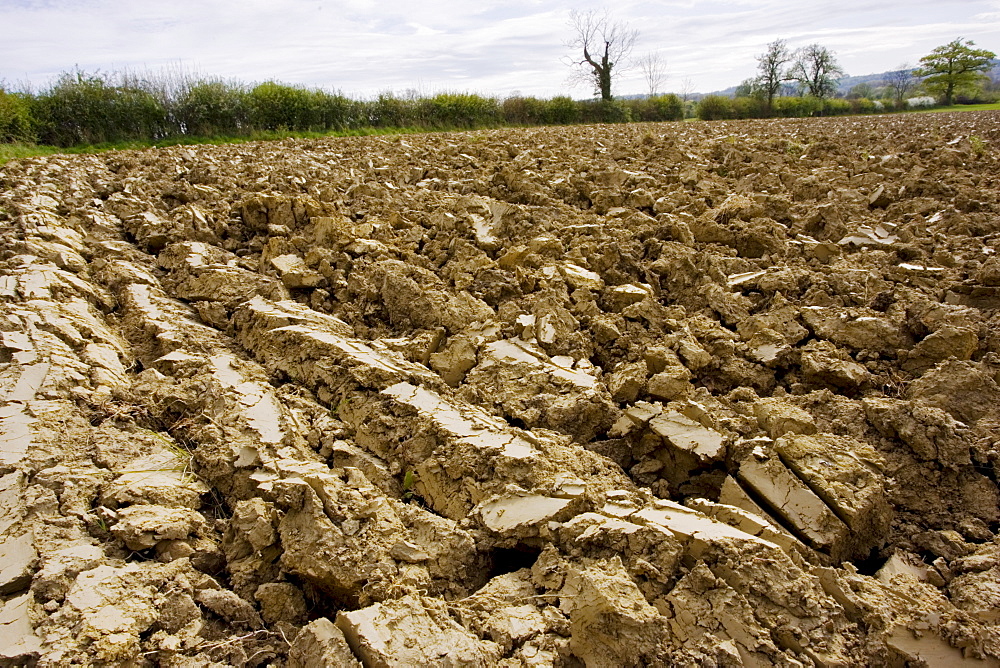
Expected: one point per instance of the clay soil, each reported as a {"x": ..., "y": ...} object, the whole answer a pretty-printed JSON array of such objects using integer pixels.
[{"x": 690, "y": 394}]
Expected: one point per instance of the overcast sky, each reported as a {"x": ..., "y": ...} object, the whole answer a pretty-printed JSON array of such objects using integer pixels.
[{"x": 363, "y": 47}]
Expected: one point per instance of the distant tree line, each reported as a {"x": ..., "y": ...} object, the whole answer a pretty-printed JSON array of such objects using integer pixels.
[
  {"x": 805, "y": 83},
  {"x": 80, "y": 108},
  {"x": 89, "y": 109},
  {"x": 719, "y": 107}
]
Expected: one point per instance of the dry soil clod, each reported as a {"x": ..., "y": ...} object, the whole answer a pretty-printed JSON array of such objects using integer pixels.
[{"x": 679, "y": 394}]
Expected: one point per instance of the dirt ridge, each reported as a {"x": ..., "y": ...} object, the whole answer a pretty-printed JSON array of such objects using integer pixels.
[{"x": 664, "y": 394}]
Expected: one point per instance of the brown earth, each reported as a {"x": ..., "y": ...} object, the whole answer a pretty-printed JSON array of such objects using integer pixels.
[{"x": 711, "y": 394}]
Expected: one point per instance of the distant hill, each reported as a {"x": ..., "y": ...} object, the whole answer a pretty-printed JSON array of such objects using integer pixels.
[{"x": 847, "y": 83}]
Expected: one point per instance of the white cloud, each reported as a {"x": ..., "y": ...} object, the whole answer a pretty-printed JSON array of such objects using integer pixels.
[{"x": 492, "y": 46}]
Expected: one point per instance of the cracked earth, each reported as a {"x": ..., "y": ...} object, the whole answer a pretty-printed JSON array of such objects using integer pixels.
[{"x": 691, "y": 394}]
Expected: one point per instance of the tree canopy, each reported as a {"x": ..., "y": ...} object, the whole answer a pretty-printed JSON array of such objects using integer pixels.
[
  {"x": 816, "y": 70},
  {"x": 770, "y": 65},
  {"x": 953, "y": 68}
]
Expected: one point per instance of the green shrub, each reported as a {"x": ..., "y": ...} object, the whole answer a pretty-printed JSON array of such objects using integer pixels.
[
  {"x": 81, "y": 108},
  {"x": 275, "y": 106},
  {"x": 975, "y": 96},
  {"x": 86, "y": 109},
  {"x": 836, "y": 107},
  {"x": 796, "y": 107},
  {"x": 458, "y": 110},
  {"x": 213, "y": 108},
  {"x": 562, "y": 110},
  {"x": 523, "y": 111},
  {"x": 141, "y": 114},
  {"x": 715, "y": 108},
  {"x": 604, "y": 111},
  {"x": 863, "y": 105},
  {"x": 15, "y": 118},
  {"x": 749, "y": 107},
  {"x": 336, "y": 112},
  {"x": 668, "y": 107},
  {"x": 657, "y": 108},
  {"x": 389, "y": 111}
]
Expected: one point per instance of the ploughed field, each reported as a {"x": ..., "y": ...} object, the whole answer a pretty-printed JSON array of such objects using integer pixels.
[{"x": 710, "y": 394}]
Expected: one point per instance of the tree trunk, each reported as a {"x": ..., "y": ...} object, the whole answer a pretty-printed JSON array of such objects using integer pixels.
[{"x": 604, "y": 75}]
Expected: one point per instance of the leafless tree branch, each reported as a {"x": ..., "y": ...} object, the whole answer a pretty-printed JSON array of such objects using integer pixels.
[
  {"x": 654, "y": 71},
  {"x": 605, "y": 45}
]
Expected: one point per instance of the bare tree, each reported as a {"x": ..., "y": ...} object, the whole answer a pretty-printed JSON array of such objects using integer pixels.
[
  {"x": 900, "y": 81},
  {"x": 654, "y": 71},
  {"x": 771, "y": 66},
  {"x": 687, "y": 87},
  {"x": 816, "y": 70},
  {"x": 606, "y": 45}
]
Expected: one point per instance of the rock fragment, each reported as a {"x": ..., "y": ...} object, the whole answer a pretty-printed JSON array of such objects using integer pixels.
[
  {"x": 349, "y": 540},
  {"x": 143, "y": 526},
  {"x": 779, "y": 417},
  {"x": 963, "y": 389},
  {"x": 847, "y": 475},
  {"x": 294, "y": 273},
  {"x": 610, "y": 620},
  {"x": 508, "y": 611},
  {"x": 542, "y": 391},
  {"x": 321, "y": 643},
  {"x": 706, "y": 613},
  {"x": 621, "y": 297},
  {"x": 682, "y": 433},
  {"x": 825, "y": 364},
  {"x": 455, "y": 360},
  {"x": 931, "y": 433},
  {"x": 795, "y": 502},
  {"x": 860, "y": 330},
  {"x": 18, "y": 643},
  {"x": 413, "y": 631},
  {"x": 628, "y": 381},
  {"x": 17, "y": 561},
  {"x": 230, "y": 607}
]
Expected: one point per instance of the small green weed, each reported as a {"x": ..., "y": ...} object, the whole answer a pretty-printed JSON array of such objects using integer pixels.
[
  {"x": 409, "y": 490},
  {"x": 978, "y": 145},
  {"x": 794, "y": 148},
  {"x": 409, "y": 480}
]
